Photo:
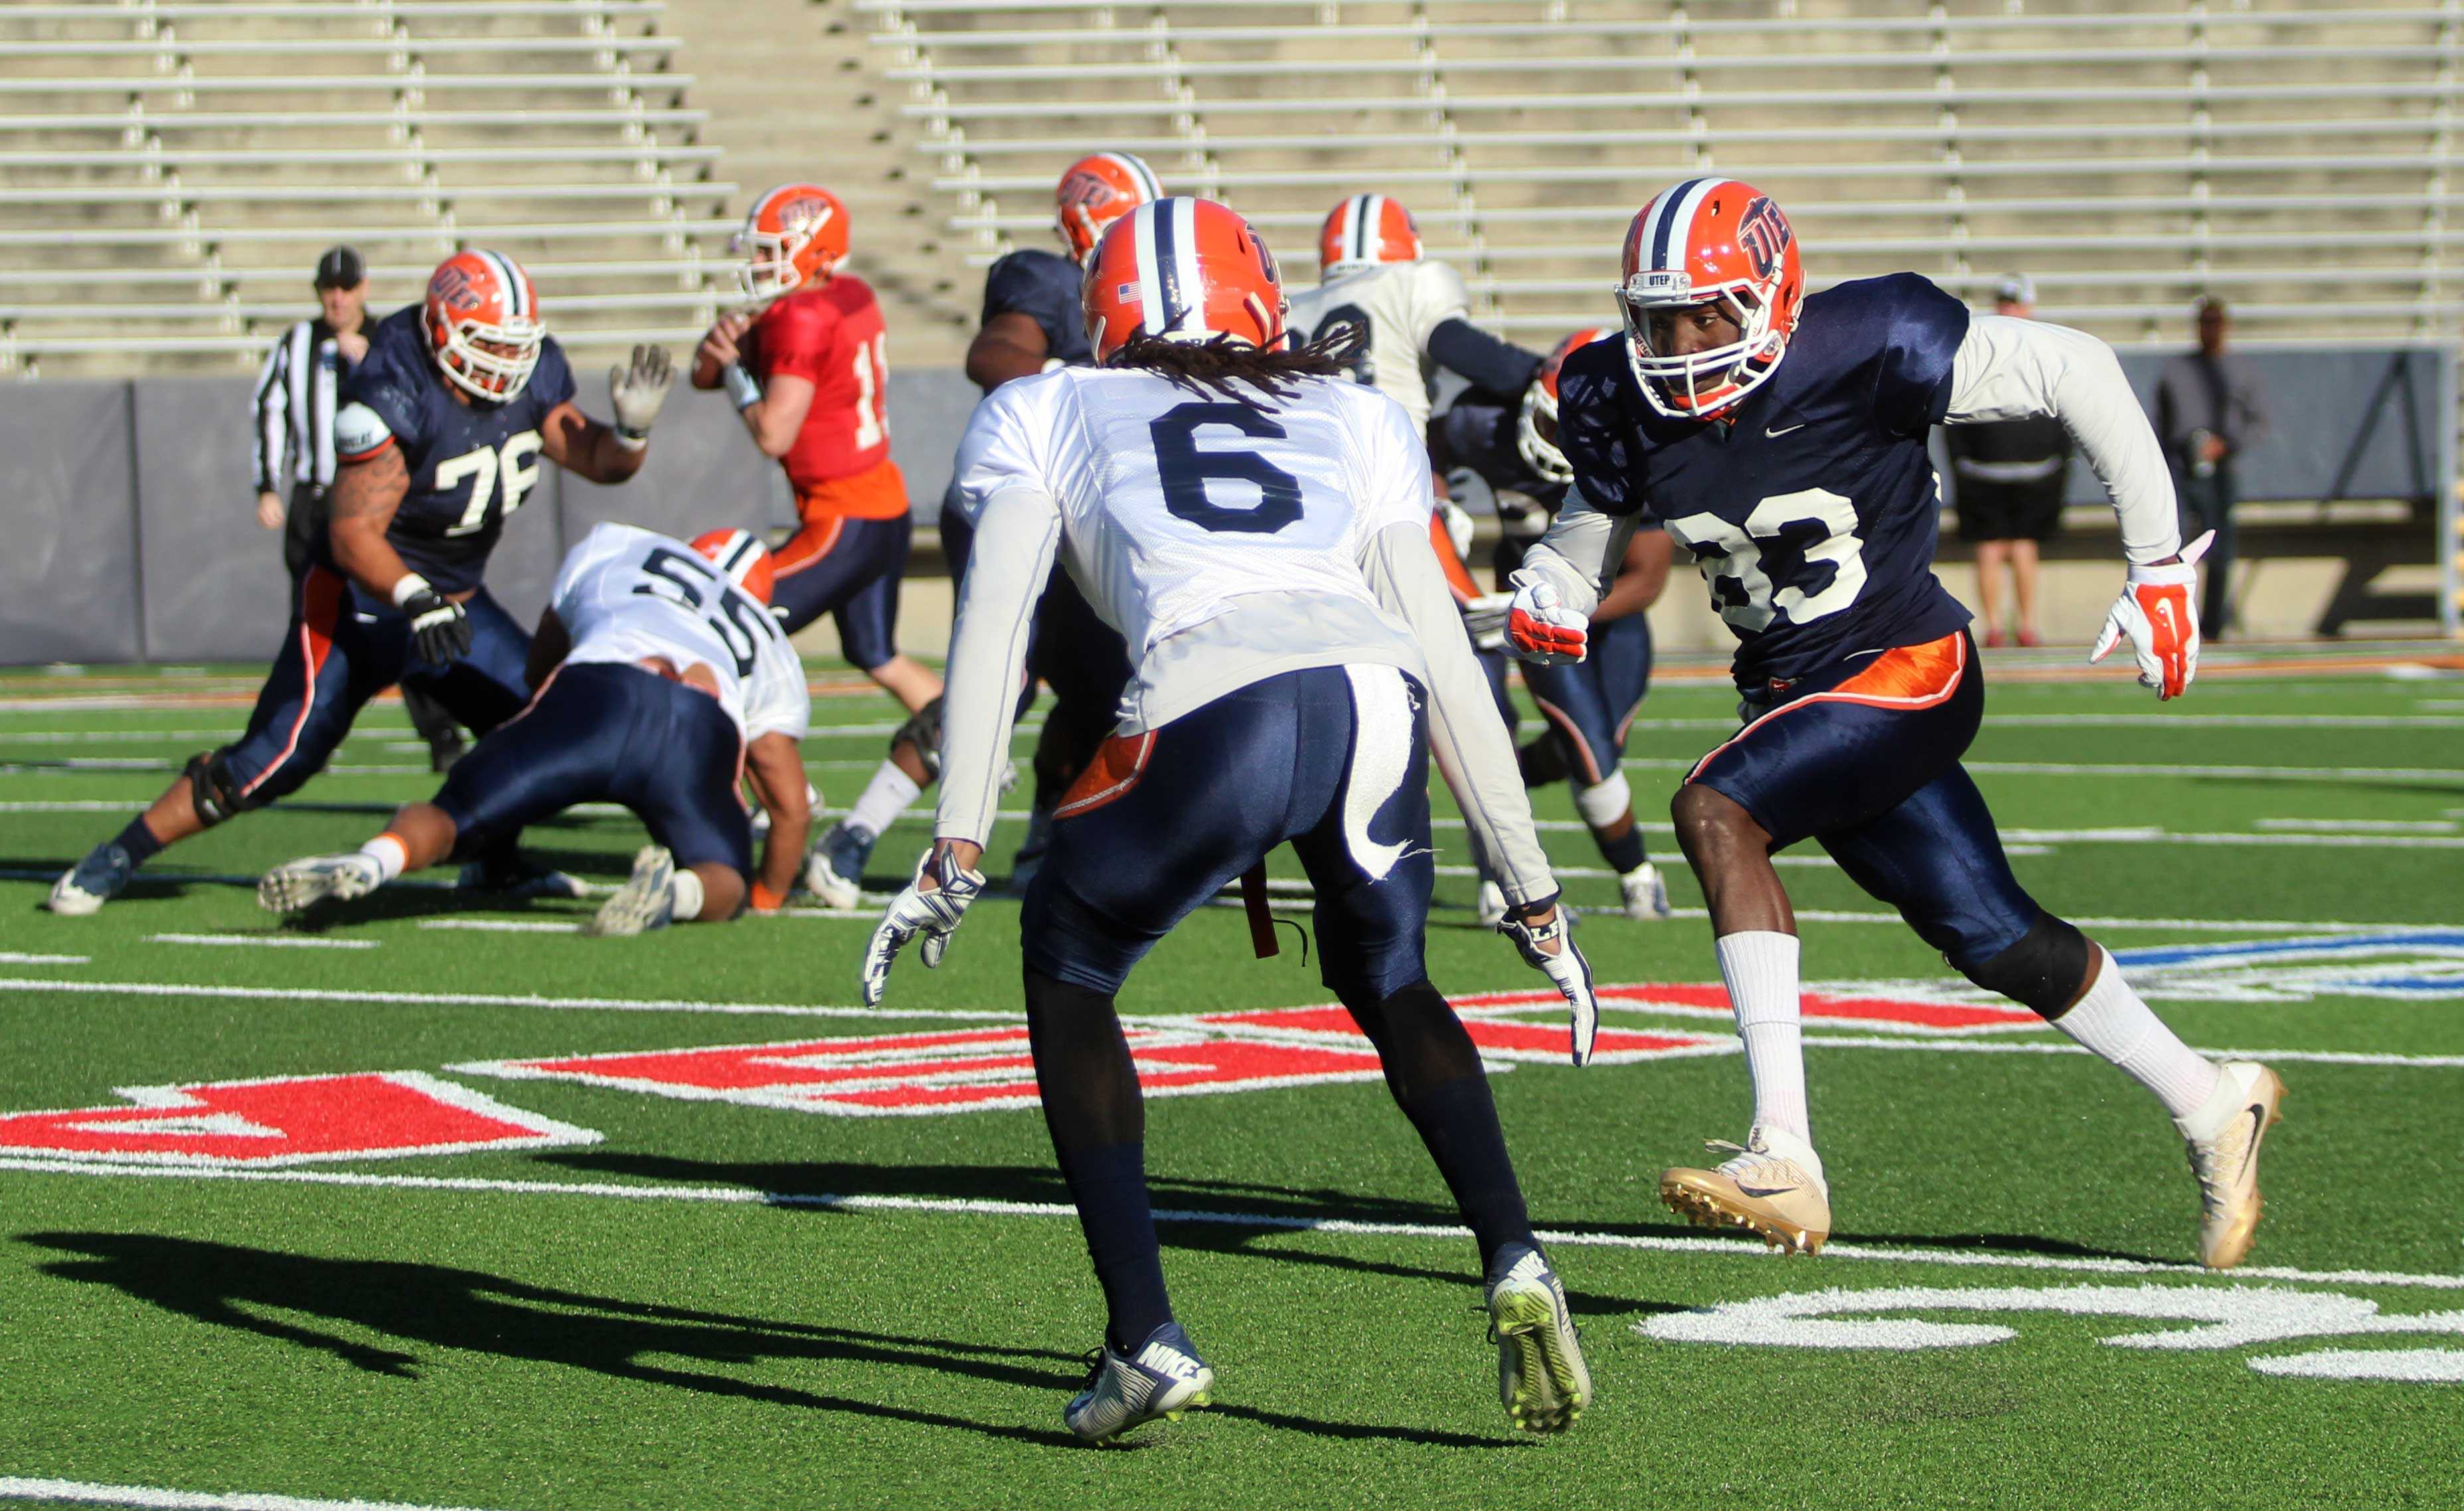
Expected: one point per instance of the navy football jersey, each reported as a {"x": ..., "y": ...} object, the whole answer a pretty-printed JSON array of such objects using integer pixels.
[
  {"x": 1811, "y": 507},
  {"x": 1044, "y": 287},
  {"x": 1483, "y": 431},
  {"x": 470, "y": 464}
]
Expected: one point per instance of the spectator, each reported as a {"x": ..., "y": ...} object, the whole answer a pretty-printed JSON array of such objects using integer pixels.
[
  {"x": 2008, "y": 477},
  {"x": 2208, "y": 412},
  {"x": 295, "y": 399}
]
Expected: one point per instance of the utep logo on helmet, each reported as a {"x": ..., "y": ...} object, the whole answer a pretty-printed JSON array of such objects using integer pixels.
[
  {"x": 804, "y": 214},
  {"x": 452, "y": 285},
  {"x": 1764, "y": 234}
]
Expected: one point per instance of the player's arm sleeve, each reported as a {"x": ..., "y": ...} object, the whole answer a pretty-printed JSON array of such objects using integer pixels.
[
  {"x": 272, "y": 414},
  {"x": 1490, "y": 363},
  {"x": 2009, "y": 369},
  {"x": 1580, "y": 553},
  {"x": 1021, "y": 527},
  {"x": 783, "y": 705},
  {"x": 1474, "y": 752},
  {"x": 799, "y": 342},
  {"x": 1922, "y": 329},
  {"x": 551, "y": 382}
]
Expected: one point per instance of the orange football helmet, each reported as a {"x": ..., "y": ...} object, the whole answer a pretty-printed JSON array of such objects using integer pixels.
[
  {"x": 1097, "y": 191},
  {"x": 1718, "y": 242},
  {"x": 741, "y": 555},
  {"x": 1182, "y": 270},
  {"x": 1363, "y": 231},
  {"x": 793, "y": 235},
  {"x": 483, "y": 325},
  {"x": 1535, "y": 433}
]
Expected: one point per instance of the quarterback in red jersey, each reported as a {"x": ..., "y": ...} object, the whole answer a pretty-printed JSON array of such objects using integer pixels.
[{"x": 808, "y": 371}]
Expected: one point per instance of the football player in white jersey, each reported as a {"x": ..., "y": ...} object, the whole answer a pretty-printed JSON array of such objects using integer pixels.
[
  {"x": 1257, "y": 530},
  {"x": 661, "y": 677}
]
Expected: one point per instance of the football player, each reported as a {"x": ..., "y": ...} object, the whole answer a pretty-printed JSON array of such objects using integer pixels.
[
  {"x": 439, "y": 440},
  {"x": 1781, "y": 439},
  {"x": 1413, "y": 313},
  {"x": 1510, "y": 442},
  {"x": 1031, "y": 323},
  {"x": 808, "y": 368},
  {"x": 661, "y": 676},
  {"x": 1257, "y": 528}
]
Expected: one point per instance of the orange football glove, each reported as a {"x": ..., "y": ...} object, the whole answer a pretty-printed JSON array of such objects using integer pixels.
[
  {"x": 1541, "y": 629},
  {"x": 2159, "y": 612}
]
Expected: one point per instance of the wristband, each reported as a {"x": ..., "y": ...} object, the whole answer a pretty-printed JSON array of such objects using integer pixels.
[
  {"x": 764, "y": 900},
  {"x": 743, "y": 390},
  {"x": 411, "y": 585},
  {"x": 630, "y": 439}
]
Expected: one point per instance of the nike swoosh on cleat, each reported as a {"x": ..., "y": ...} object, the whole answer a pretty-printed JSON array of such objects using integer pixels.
[{"x": 1768, "y": 1190}]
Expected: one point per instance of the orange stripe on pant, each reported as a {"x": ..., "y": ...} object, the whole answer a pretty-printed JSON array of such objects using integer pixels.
[
  {"x": 320, "y": 601},
  {"x": 1908, "y": 677}
]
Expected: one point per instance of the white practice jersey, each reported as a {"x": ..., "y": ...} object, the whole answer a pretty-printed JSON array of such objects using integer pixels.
[
  {"x": 626, "y": 594},
  {"x": 1402, "y": 303},
  {"x": 1176, "y": 506}
]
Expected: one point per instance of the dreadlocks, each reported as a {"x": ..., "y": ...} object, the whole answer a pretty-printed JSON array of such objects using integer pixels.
[{"x": 1221, "y": 363}]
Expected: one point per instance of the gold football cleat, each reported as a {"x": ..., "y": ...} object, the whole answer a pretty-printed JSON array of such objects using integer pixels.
[
  {"x": 1765, "y": 1187},
  {"x": 2224, "y": 1161}
]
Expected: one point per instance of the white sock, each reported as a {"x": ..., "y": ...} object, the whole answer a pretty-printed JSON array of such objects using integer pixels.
[
  {"x": 1760, "y": 970},
  {"x": 885, "y": 798},
  {"x": 388, "y": 852},
  {"x": 2112, "y": 1020},
  {"x": 685, "y": 896}
]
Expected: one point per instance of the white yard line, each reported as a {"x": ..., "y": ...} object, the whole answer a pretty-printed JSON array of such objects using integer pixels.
[
  {"x": 1977, "y": 1047},
  {"x": 2218, "y": 722},
  {"x": 265, "y": 941},
  {"x": 501, "y": 926},
  {"x": 2013, "y": 768},
  {"x": 20, "y": 958},
  {"x": 737, "y": 1195},
  {"x": 2360, "y": 825},
  {"x": 576, "y": 1004},
  {"x": 81, "y": 1493}
]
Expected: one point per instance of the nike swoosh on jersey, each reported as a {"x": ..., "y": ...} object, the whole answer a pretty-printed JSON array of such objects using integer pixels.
[{"x": 1783, "y": 429}]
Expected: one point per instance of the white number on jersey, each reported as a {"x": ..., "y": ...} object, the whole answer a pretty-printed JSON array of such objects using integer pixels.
[
  {"x": 514, "y": 466},
  {"x": 688, "y": 582},
  {"x": 1731, "y": 560}
]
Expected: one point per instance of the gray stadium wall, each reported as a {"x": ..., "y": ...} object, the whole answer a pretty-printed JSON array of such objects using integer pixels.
[{"x": 130, "y": 536}]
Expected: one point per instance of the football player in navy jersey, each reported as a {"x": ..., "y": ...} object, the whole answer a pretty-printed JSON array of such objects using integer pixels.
[
  {"x": 1781, "y": 439},
  {"x": 1509, "y": 441},
  {"x": 440, "y": 436},
  {"x": 1033, "y": 322}
]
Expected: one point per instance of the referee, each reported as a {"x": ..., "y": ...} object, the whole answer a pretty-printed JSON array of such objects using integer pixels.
[{"x": 296, "y": 398}]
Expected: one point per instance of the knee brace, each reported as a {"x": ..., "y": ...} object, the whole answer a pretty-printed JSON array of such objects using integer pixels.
[
  {"x": 923, "y": 731},
  {"x": 2043, "y": 971},
  {"x": 212, "y": 788},
  {"x": 1605, "y": 803}
]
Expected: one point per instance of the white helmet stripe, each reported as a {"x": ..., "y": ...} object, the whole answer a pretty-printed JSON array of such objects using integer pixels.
[
  {"x": 515, "y": 306},
  {"x": 1153, "y": 317},
  {"x": 1191, "y": 284},
  {"x": 1149, "y": 190},
  {"x": 1672, "y": 227}
]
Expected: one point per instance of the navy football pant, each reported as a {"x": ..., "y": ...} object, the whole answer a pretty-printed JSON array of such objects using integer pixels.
[
  {"x": 1332, "y": 759},
  {"x": 343, "y": 647},
  {"x": 611, "y": 732},
  {"x": 1865, "y": 762},
  {"x": 849, "y": 569},
  {"x": 1589, "y": 706}
]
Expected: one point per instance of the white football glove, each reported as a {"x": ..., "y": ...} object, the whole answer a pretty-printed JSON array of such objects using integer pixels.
[
  {"x": 1565, "y": 968},
  {"x": 1541, "y": 629},
  {"x": 1486, "y": 618},
  {"x": 1458, "y": 527},
  {"x": 933, "y": 913},
  {"x": 638, "y": 390},
  {"x": 2159, "y": 613}
]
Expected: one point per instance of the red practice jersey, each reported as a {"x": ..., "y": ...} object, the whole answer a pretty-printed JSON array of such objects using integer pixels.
[{"x": 834, "y": 336}]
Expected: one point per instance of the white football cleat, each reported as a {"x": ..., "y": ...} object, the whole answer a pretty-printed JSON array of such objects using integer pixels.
[
  {"x": 2224, "y": 1137},
  {"x": 834, "y": 872},
  {"x": 85, "y": 887},
  {"x": 1541, "y": 1378},
  {"x": 647, "y": 901},
  {"x": 296, "y": 885},
  {"x": 1773, "y": 1186},
  {"x": 1489, "y": 907},
  {"x": 1644, "y": 894},
  {"x": 1163, "y": 1378}
]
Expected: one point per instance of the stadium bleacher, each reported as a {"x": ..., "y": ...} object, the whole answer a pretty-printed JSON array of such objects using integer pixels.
[
  {"x": 170, "y": 169},
  {"x": 2129, "y": 154}
]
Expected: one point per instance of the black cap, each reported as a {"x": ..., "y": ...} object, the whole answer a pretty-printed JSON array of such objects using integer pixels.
[{"x": 341, "y": 268}]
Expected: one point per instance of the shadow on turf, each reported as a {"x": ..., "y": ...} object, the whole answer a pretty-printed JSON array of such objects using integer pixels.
[
  {"x": 1277, "y": 1209},
  {"x": 228, "y": 1286}
]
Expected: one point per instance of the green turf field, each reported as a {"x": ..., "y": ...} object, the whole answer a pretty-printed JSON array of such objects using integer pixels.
[{"x": 667, "y": 1281}]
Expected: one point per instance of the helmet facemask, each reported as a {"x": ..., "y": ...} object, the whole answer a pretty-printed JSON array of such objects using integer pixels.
[
  {"x": 769, "y": 268},
  {"x": 463, "y": 353},
  {"x": 1697, "y": 386}
]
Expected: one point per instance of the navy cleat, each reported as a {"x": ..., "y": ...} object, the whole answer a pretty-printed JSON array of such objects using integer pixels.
[
  {"x": 834, "y": 872},
  {"x": 1541, "y": 1378},
  {"x": 1163, "y": 1378},
  {"x": 85, "y": 887},
  {"x": 647, "y": 901}
]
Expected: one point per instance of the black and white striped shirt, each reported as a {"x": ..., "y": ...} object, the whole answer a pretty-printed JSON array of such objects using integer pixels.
[{"x": 295, "y": 408}]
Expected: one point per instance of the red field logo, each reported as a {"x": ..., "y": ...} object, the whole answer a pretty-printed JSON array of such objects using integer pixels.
[{"x": 285, "y": 1121}]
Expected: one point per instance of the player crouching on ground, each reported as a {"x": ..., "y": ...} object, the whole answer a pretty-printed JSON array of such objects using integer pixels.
[
  {"x": 662, "y": 677},
  {"x": 1257, "y": 528},
  {"x": 1781, "y": 439}
]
